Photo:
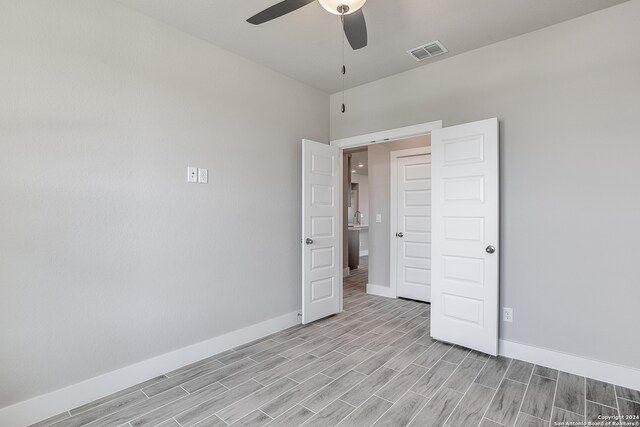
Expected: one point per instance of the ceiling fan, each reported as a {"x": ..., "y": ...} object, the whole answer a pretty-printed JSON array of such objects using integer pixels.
[{"x": 350, "y": 11}]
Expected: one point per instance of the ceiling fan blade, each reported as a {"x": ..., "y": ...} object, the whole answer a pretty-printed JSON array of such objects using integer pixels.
[
  {"x": 277, "y": 10},
  {"x": 355, "y": 28}
]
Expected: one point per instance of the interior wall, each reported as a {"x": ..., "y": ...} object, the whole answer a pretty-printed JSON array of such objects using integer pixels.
[
  {"x": 380, "y": 203},
  {"x": 567, "y": 100},
  {"x": 108, "y": 256}
]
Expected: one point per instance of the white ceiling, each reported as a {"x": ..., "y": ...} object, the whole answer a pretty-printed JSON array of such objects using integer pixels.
[{"x": 306, "y": 44}]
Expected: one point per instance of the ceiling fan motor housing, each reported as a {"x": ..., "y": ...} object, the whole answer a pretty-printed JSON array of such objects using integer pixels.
[{"x": 342, "y": 7}]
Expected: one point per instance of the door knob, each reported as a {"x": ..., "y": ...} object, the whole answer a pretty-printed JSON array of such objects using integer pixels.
[
  {"x": 490, "y": 249},
  {"x": 400, "y": 234},
  {"x": 308, "y": 241}
]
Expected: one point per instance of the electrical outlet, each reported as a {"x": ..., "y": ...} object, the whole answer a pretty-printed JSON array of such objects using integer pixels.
[
  {"x": 507, "y": 314},
  {"x": 203, "y": 176},
  {"x": 378, "y": 218},
  {"x": 192, "y": 174}
]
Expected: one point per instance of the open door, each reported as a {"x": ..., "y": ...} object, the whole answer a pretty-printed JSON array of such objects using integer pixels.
[
  {"x": 465, "y": 249},
  {"x": 321, "y": 255}
]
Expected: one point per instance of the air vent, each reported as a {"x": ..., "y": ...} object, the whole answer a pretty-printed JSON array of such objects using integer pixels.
[{"x": 427, "y": 51}]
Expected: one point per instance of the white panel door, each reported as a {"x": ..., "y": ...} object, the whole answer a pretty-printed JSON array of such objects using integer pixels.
[
  {"x": 413, "y": 229},
  {"x": 465, "y": 250},
  {"x": 321, "y": 278}
]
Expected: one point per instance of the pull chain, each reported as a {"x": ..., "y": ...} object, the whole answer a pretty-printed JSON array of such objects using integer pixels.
[{"x": 344, "y": 68}]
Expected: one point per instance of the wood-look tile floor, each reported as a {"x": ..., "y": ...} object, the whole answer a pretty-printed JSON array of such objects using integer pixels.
[{"x": 372, "y": 365}]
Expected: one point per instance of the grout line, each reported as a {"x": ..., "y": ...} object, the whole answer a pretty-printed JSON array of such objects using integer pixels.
[
  {"x": 274, "y": 398},
  {"x": 555, "y": 394},
  {"x": 626, "y": 400},
  {"x": 538, "y": 418},
  {"x": 287, "y": 377},
  {"x": 270, "y": 417},
  {"x": 520, "y": 382},
  {"x": 306, "y": 407},
  {"x": 429, "y": 399},
  {"x": 542, "y": 376},
  {"x": 488, "y": 419},
  {"x": 566, "y": 410},
  {"x": 585, "y": 396},
  {"x": 400, "y": 398},
  {"x": 375, "y": 395},
  {"x": 601, "y": 404},
  {"x": 525, "y": 396},
  {"x": 174, "y": 419},
  {"x": 470, "y": 385},
  {"x": 484, "y": 415},
  {"x": 213, "y": 416},
  {"x": 343, "y": 401}
]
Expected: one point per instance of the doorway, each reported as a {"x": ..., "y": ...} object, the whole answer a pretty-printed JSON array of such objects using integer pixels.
[
  {"x": 465, "y": 227},
  {"x": 371, "y": 219},
  {"x": 356, "y": 220}
]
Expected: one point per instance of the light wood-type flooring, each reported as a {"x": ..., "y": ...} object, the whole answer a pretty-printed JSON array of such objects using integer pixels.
[{"x": 372, "y": 365}]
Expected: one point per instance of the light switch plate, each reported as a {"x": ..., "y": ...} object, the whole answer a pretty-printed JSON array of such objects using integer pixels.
[
  {"x": 203, "y": 176},
  {"x": 192, "y": 174},
  {"x": 378, "y": 218}
]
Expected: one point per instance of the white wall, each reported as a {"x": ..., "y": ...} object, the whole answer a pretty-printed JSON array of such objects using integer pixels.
[
  {"x": 107, "y": 255},
  {"x": 380, "y": 203},
  {"x": 567, "y": 98}
]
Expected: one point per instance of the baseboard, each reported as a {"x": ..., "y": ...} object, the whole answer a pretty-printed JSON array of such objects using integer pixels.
[
  {"x": 47, "y": 405},
  {"x": 346, "y": 272},
  {"x": 383, "y": 291},
  {"x": 364, "y": 253},
  {"x": 625, "y": 376}
]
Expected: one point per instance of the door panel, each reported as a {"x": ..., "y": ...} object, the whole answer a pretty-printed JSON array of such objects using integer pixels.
[
  {"x": 321, "y": 279},
  {"x": 413, "y": 263},
  {"x": 465, "y": 223}
]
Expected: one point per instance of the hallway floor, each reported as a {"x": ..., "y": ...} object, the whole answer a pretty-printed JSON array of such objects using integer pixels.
[{"x": 373, "y": 364}]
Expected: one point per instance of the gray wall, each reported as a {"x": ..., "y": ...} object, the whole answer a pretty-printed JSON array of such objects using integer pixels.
[
  {"x": 107, "y": 255},
  {"x": 380, "y": 202},
  {"x": 567, "y": 98}
]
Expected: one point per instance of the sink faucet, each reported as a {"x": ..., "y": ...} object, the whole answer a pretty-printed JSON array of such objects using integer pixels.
[{"x": 357, "y": 217}]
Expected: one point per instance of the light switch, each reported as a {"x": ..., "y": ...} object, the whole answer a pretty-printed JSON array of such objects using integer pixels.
[
  {"x": 203, "y": 176},
  {"x": 192, "y": 174},
  {"x": 378, "y": 218}
]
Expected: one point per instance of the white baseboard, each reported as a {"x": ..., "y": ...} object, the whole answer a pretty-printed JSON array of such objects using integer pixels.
[
  {"x": 625, "y": 376},
  {"x": 364, "y": 253},
  {"x": 346, "y": 272},
  {"x": 47, "y": 405},
  {"x": 383, "y": 291}
]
